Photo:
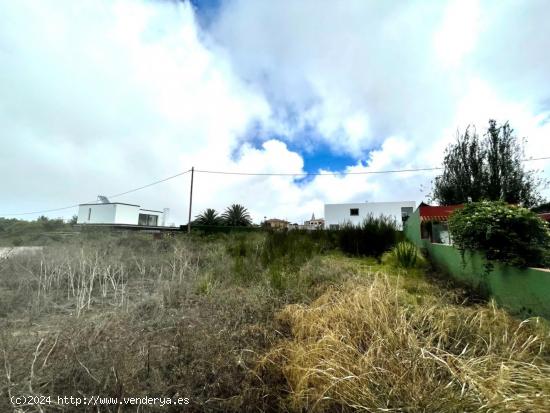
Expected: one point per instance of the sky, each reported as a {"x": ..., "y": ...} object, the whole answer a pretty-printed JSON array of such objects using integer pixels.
[{"x": 101, "y": 96}]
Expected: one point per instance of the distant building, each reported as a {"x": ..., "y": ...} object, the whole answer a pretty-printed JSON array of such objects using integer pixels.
[
  {"x": 314, "y": 224},
  {"x": 340, "y": 214},
  {"x": 114, "y": 213},
  {"x": 275, "y": 223}
]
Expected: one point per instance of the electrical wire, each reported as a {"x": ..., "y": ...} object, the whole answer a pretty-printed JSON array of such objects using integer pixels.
[
  {"x": 254, "y": 174},
  {"x": 318, "y": 173},
  {"x": 108, "y": 196}
]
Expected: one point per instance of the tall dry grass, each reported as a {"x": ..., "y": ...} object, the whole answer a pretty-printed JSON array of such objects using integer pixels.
[{"x": 377, "y": 348}]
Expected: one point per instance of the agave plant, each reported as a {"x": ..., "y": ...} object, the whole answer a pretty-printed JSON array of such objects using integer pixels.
[
  {"x": 406, "y": 254},
  {"x": 209, "y": 217},
  {"x": 236, "y": 215}
]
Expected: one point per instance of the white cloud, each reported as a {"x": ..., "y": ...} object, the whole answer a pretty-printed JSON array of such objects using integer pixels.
[{"x": 101, "y": 96}]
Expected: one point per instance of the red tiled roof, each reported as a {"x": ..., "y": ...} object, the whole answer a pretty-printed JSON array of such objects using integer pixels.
[
  {"x": 437, "y": 213},
  {"x": 545, "y": 216}
]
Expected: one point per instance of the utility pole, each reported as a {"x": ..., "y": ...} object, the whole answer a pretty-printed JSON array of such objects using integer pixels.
[{"x": 190, "y": 200}]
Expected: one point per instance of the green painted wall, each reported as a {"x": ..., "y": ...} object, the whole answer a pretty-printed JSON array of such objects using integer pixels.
[
  {"x": 525, "y": 292},
  {"x": 411, "y": 228}
]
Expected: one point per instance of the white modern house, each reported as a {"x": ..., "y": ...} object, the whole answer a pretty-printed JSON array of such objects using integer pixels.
[
  {"x": 113, "y": 213},
  {"x": 340, "y": 214}
]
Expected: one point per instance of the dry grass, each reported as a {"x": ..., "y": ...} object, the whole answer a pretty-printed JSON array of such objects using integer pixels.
[
  {"x": 368, "y": 348},
  {"x": 209, "y": 319}
]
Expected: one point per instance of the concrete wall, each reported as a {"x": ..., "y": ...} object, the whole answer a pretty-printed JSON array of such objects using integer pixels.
[
  {"x": 338, "y": 214},
  {"x": 525, "y": 292},
  {"x": 126, "y": 214},
  {"x": 101, "y": 214}
]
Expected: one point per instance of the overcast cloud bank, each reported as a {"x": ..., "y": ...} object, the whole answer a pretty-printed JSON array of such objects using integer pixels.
[{"x": 97, "y": 97}]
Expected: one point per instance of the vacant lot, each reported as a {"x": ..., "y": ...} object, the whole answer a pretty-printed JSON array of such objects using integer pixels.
[{"x": 256, "y": 322}]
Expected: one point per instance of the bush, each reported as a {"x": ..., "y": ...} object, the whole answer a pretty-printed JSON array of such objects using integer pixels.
[
  {"x": 504, "y": 233},
  {"x": 406, "y": 254},
  {"x": 373, "y": 237}
]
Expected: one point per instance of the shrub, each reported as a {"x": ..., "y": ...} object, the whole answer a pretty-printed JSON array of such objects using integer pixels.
[
  {"x": 505, "y": 233},
  {"x": 373, "y": 237},
  {"x": 406, "y": 254}
]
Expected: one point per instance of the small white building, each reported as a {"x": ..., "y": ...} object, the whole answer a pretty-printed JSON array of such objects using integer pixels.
[
  {"x": 119, "y": 213},
  {"x": 340, "y": 214}
]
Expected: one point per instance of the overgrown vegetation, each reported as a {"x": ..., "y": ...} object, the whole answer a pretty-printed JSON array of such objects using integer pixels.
[
  {"x": 254, "y": 322},
  {"x": 372, "y": 346},
  {"x": 373, "y": 237},
  {"x": 503, "y": 233},
  {"x": 15, "y": 232}
]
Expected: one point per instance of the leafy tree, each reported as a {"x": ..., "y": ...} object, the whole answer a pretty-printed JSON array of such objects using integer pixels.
[
  {"x": 74, "y": 219},
  {"x": 236, "y": 215},
  {"x": 486, "y": 169},
  {"x": 209, "y": 217}
]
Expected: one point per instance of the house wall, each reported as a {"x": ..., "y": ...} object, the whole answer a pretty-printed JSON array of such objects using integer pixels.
[
  {"x": 114, "y": 214},
  {"x": 523, "y": 292},
  {"x": 338, "y": 214},
  {"x": 101, "y": 214},
  {"x": 126, "y": 214}
]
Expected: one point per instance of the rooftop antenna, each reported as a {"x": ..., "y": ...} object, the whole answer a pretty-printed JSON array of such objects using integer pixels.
[{"x": 103, "y": 199}]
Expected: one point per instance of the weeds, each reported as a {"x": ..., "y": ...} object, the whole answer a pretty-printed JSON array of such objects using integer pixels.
[
  {"x": 366, "y": 348},
  {"x": 196, "y": 317}
]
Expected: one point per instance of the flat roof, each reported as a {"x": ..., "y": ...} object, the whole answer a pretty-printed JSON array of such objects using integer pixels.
[
  {"x": 151, "y": 210},
  {"x": 375, "y": 203},
  {"x": 110, "y": 203}
]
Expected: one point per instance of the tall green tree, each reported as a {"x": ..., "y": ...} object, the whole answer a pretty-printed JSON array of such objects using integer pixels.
[
  {"x": 237, "y": 215},
  {"x": 209, "y": 217},
  {"x": 486, "y": 169}
]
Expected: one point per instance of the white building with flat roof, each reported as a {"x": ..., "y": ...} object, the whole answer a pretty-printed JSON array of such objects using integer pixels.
[
  {"x": 119, "y": 213},
  {"x": 340, "y": 214}
]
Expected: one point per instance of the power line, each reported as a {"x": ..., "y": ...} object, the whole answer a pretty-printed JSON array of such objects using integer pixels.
[
  {"x": 108, "y": 196},
  {"x": 256, "y": 174},
  {"x": 318, "y": 173},
  {"x": 337, "y": 173},
  {"x": 148, "y": 185}
]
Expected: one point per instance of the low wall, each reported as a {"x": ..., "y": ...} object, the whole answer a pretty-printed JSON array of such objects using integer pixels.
[{"x": 525, "y": 292}]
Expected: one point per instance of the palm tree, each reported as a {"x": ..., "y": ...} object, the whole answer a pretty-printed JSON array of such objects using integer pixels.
[
  {"x": 237, "y": 215},
  {"x": 209, "y": 217}
]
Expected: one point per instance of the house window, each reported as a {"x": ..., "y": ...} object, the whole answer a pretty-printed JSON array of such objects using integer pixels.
[
  {"x": 146, "y": 219},
  {"x": 406, "y": 213},
  {"x": 354, "y": 212},
  {"x": 440, "y": 233},
  {"x": 89, "y": 213}
]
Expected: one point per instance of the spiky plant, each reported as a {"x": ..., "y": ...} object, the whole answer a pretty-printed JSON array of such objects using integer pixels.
[{"x": 406, "y": 254}]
